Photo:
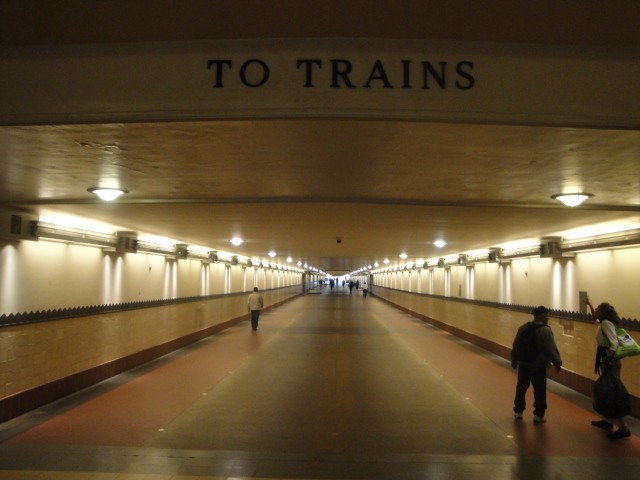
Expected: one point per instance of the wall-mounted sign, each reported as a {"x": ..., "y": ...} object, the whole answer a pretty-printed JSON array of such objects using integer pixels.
[
  {"x": 338, "y": 78},
  {"x": 343, "y": 73}
]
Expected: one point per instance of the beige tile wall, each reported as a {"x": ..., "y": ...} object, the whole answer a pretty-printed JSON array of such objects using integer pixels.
[
  {"x": 34, "y": 355},
  {"x": 575, "y": 340}
]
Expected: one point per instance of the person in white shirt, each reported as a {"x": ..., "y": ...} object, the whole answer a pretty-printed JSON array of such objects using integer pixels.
[
  {"x": 607, "y": 341},
  {"x": 255, "y": 304}
]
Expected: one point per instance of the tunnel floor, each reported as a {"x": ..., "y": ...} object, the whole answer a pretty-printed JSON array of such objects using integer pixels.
[{"x": 331, "y": 386}]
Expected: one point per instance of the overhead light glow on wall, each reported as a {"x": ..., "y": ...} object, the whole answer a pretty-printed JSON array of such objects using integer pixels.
[
  {"x": 478, "y": 252},
  {"x": 520, "y": 244},
  {"x": 572, "y": 199},
  {"x": 78, "y": 223},
  {"x": 602, "y": 229},
  {"x": 157, "y": 240},
  {"x": 199, "y": 249},
  {"x": 107, "y": 194}
]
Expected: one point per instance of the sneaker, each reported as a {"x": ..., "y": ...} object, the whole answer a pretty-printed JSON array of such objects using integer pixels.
[
  {"x": 517, "y": 415},
  {"x": 602, "y": 424},
  {"x": 537, "y": 419},
  {"x": 620, "y": 433}
]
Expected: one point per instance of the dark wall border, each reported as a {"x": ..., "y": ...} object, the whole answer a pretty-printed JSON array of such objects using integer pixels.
[
  {"x": 569, "y": 379},
  {"x": 23, "y": 402}
]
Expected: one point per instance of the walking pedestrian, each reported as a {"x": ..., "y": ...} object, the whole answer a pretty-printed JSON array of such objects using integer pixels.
[{"x": 255, "y": 304}]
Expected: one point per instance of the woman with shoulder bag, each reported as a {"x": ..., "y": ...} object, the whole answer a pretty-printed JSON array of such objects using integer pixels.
[{"x": 607, "y": 341}]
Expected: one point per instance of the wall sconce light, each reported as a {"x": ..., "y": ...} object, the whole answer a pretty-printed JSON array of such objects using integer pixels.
[
  {"x": 107, "y": 194},
  {"x": 236, "y": 241},
  {"x": 439, "y": 243},
  {"x": 572, "y": 199}
]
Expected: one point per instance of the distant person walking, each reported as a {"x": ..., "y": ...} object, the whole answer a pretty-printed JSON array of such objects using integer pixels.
[
  {"x": 534, "y": 348},
  {"x": 255, "y": 304}
]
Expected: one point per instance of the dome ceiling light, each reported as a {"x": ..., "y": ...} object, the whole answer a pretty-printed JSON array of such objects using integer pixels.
[
  {"x": 572, "y": 199},
  {"x": 107, "y": 194}
]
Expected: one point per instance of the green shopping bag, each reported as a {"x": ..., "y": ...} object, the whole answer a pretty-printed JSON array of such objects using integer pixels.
[{"x": 627, "y": 346}]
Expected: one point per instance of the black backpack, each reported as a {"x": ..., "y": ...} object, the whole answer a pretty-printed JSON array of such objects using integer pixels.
[{"x": 525, "y": 347}]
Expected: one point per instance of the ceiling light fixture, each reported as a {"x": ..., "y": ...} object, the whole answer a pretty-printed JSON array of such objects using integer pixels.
[
  {"x": 236, "y": 241},
  {"x": 572, "y": 199},
  {"x": 107, "y": 194},
  {"x": 272, "y": 254},
  {"x": 403, "y": 255},
  {"x": 439, "y": 243}
]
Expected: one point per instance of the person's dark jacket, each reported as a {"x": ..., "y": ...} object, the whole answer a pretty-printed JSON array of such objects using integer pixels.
[{"x": 546, "y": 345}]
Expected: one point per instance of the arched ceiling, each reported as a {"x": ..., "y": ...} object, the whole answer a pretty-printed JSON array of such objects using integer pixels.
[{"x": 297, "y": 185}]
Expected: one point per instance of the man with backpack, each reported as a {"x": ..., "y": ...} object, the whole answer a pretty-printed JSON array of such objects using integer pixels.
[{"x": 534, "y": 348}]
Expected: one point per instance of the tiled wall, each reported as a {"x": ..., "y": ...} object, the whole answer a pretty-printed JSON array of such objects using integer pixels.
[
  {"x": 35, "y": 355},
  {"x": 575, "y": 340}
]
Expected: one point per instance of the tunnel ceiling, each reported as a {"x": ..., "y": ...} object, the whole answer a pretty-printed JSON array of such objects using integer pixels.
[{"x": 296, "y": 186}]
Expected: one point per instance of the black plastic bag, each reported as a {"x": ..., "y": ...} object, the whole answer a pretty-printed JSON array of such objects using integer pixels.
[{"x": 610, "y": 396}]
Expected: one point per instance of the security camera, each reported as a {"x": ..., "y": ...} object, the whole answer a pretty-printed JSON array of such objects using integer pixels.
[{"x": 338, "y": 240}]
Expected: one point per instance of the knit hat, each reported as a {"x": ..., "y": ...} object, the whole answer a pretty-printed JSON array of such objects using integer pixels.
[{"x": 539, "y": 311}]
